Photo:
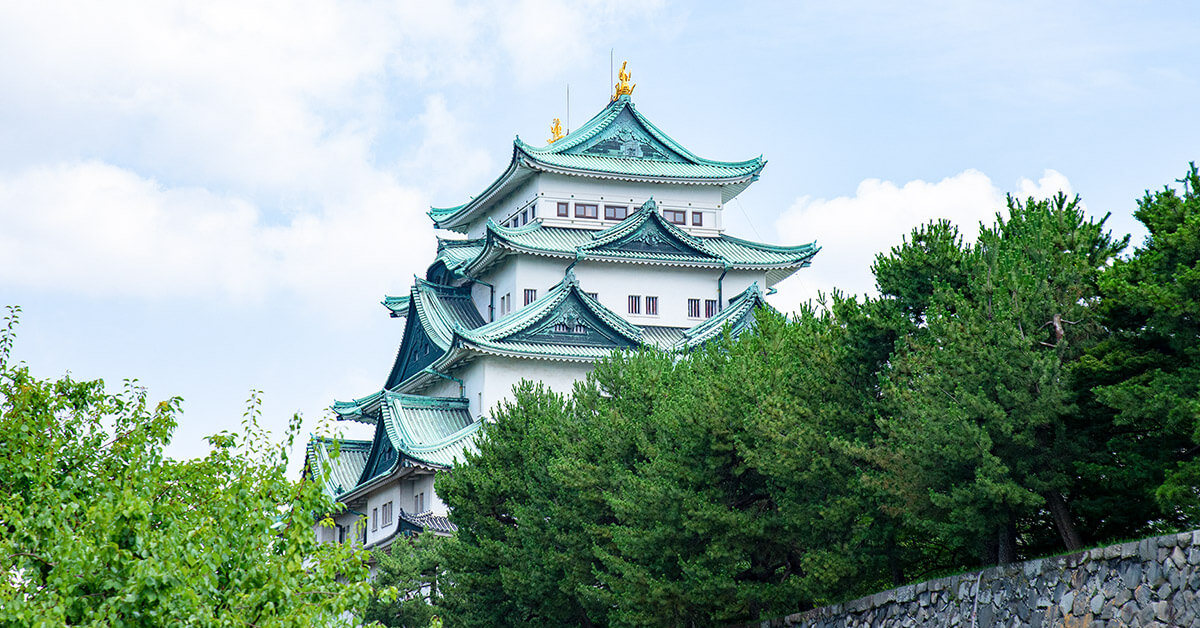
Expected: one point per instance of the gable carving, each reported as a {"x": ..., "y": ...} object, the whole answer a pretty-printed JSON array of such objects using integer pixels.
[
  {"x": 626, "y": 139},
  {"x": 571, "y": 324}
]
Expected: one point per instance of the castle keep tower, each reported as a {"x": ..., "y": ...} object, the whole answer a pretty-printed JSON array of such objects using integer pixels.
[{"x": 606, "y": 238}]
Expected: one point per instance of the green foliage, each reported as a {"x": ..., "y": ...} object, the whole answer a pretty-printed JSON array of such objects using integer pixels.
[
  {"x": 982, "y": 426},
  {"x": 1148, "y": 375},
  {"x": 997, "y": 401},
  {"x": 98, "y": 527},
  {"x": 668, "y": 491},
  {"x": 409, "y": 581}
]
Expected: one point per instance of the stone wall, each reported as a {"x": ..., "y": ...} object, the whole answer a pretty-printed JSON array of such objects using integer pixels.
[{"x": 1152, "y": 582}]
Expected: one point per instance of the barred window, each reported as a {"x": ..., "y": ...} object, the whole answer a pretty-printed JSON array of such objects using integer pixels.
[
  {"x": 635, "y": 304},
  {"x": 694, "y": 308},
  {"x": 530, "y": 296},
  {"x": 652, "y": 306},
  {"x": 710, "y": 307}
]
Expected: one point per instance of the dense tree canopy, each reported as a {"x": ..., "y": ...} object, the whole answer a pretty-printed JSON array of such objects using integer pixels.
[
  {"x": 97, "y": 527},
  {"x": 1020, "y": 395}
]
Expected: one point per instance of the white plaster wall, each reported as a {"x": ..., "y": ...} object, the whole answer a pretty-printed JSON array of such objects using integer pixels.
[
  {"x": 387, "y": 491},
  {"x": 502, "y": 209},
  {"x": 614, "y": 282},
  {"x": 552, "y": 189},
  {"x": 504, "y": 373}
]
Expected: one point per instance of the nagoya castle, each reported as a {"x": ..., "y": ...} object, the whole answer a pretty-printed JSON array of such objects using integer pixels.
[{"x": 606, "y": 238}]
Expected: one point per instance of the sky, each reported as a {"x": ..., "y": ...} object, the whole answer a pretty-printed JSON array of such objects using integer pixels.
[{"x": 213, "y": 197}]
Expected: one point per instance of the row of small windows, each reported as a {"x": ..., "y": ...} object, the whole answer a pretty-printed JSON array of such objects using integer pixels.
[
  {"x": 638, "y": 304},
  {"x": 635, "y": 305},
  {"x": 611, "y": 212},
  {"x": 522, "y": 218},
  {"x": 621, "y": 212}
]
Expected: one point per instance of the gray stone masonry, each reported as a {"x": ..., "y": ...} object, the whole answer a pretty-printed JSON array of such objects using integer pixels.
[{"x": 1152, "y": 582}]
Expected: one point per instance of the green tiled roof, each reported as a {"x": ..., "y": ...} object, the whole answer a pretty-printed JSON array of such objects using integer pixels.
[
  {"x": 457, "y": 253},
  {"x": 363, "y": 410},
  {"x": 739, "y": 315},
  {"x": 565, "y": 323},
  {"x": 345, "y": 466},
  {"x": 662, "y": 337},
  {"x": 643, "y": 237},
  {"x": 433, "y": 430},
  {"x": 617, "y": 143},
  {"x": 441, "y": 309},
  {"x": 397, "y": 306}
]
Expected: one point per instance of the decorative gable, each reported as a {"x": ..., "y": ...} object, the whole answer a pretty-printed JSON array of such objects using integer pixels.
[
  {"x": 651, "y": 237},
  {"x": 571, "y": 323},
  {"x": 626, "y": 138}
]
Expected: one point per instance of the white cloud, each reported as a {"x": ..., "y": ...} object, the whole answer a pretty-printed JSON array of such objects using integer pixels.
[
  {"x": 851, "y": 230},
  {"x": 96, "y": 229}
]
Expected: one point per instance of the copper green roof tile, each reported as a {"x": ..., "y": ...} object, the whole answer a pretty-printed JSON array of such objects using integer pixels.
[
  {"x": 643, "y": 237},
  {"x": 563, "y": 323},
  {"x": 397, "y": 306},
  {"x": 662, "y": 337},
  {"x": 738, "y": 315},
  {"x": 363, "y": 410},
  {"x": 618, "y": 143},
  {"x": 441, "y": 309},
  {"x": 344, "y": 458},
  {"x": 433, "y": 430}
]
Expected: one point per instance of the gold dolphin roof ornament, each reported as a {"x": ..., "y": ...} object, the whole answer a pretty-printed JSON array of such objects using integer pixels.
[
  {"x": 623, "y": 86},
  {"x": 556, "y": 131}
]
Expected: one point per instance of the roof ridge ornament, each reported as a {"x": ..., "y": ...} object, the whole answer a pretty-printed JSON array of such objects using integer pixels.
[
  {"x": 649, "y": 205},
  {"x": 623, "y": 86},
  {"x": 556, "y": 131}
]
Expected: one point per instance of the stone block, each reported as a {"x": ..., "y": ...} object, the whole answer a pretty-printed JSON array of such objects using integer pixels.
[
  {"x": 1194, "y": 556},
  {"x": 1079, "y": 608},
  {"x": 1033, "y": 568},
  {"x": 1066, "y": 601},
  {"x": 1123, "y": 595},
  {"x": 1096, "y": 604},
  {"x": 1147, "y": 550},
  {"x": 1164, "y": 592},
  {"x": 1141, "y": 595},
  {"x": 1178, "y": 558},
  {"x": 1162, "y": 611},
  {"x": 1129, "y": 550},
  {"x": 1132, "y": 575},
  {"x": 1183, "y": 539}
]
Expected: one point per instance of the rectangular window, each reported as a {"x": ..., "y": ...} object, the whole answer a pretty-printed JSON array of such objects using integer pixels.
[
  {"x": 697, "y": 219},
  {"x": 419, "y": 503},
  {"x": 562, "y": 210},
  {"x": 615, "y": 212},
  {"x": 652, "y": 306},
  {"x": 583, "y": 210},
  {"x": 710, "y": 307},
  {"x": 502, "y": 297},
  {"x": 341, "y": 534},
  {"x": 694, "y": 308},
  {"x": 530, "y": 296},
  {"x": 524, "y": 217},
  {"x": 374, "y": 518},
  {"x": 635, "y": 304},
  {"x": 675, "y": 217},
  {"x": 387, "y": 514}
]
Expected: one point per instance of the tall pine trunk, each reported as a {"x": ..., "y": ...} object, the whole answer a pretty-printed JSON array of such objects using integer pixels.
[{"x": 1062, "y": 520}]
